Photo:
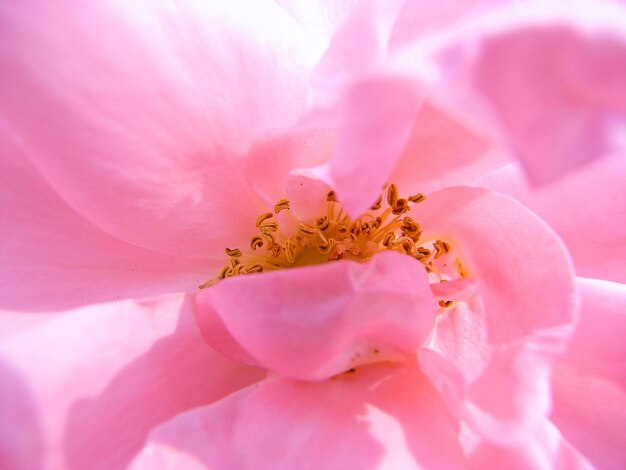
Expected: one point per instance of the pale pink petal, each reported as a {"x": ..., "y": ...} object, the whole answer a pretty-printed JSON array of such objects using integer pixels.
[
  {"x": 358, "y": 47},
  {"x": 52, "y": 259},
  {"x": 419, "y": 18},
  {"x": 372, "y": 109},
  {"x": 357, "y": 88},
  {"x": 543, "y": 448},
  {"x": 81, "y": 389},
  {"x": 270, "y": 162},
  {"x": 590, "y": 381},
  {"x": 377, "y": 117},
  {"x": 137, "y": 112},
  {"x": 441, "y": 152},
  {"x": 548, "y": 79},
  {"x": 319, "y": 18},
  {"x": 317, "y": 321},
  {"x": 510, "y": 253},
  {"x": 586, "y": 208},
  {"x": 490, "y": 354},
  {"x": 215, "y": 333},
  {"x": 382, "y": 416},
  {"x": 307, "y": 192}
]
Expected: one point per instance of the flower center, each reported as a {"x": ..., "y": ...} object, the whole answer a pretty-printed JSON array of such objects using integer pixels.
[{"x": 283, "y": 241}]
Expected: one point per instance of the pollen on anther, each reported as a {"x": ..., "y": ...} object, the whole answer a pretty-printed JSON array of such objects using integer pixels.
[
  {"x": 256, "y": 242},
  {"x": 334, "y": 235},
  {"x": 281, "y": 205},
  {"x": 234, "y": 253},
  {"x": 392, "y": 195},
  {"x": 263, "y": 217}
]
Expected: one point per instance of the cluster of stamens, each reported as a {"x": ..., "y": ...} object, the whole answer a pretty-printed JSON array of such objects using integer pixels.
[{"x": 333, "y": 236}]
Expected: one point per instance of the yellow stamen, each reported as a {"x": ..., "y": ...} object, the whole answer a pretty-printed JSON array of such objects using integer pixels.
[
  {"x": 281, "y": 205},
  {"x": 335, "y": 236}
]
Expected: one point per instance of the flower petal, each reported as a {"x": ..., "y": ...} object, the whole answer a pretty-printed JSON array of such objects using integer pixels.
[
  {"x": 317, "y": 321},
  {"x": 141, "y": 126},
  {"x": 383, "y": 416},
  {"x": 95, "y": 380},
  {"x": 586, "y": 208},
  {"x": 271, "y": 161},
  {"x": 590, "y": 381},
  {"x": 441, "y": 152},
  {"x": 490, "y": 355},
  {"x": 321, "y": 17},
  {"x": 547, "y": 78},
  {"x": 421, "y": 18},
  {"x": 52, "y": 259},
  {"x": 377, "y": 119},
  {"x": 544, "y": 448},
  {"x": 510, "y": 252}
]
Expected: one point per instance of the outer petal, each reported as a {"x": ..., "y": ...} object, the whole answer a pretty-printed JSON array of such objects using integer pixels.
[
  {"x": 490, "y": 355},
  {"x": 548, "y": 79},
  {"x": 382, "y": 416},
  {"x": 83, "y": 388},
  {"x": 587, "y": 208},
  {"x": 136, "y": 111},
  {"x": 52, "y": 259},
  {"x": 590, "y": 381},
  {"x": 317, "y": 321}
]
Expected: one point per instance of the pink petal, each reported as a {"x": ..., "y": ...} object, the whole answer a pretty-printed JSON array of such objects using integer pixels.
[
  {"x": 319, "y": 18},
  {"x": 136, "y": 113},
  {"x": 383, "y": 416},
  {"x": 271, "y": 161},
  {"x": 377, "y": 119},
  {"x": 490, "y": 355},
  {"x": 510, "y": 252},
  {"x": 586, "y": 208},
  {"x": 543, "y": 448},
  {"x": 52, "y": 259},
  {"x": 590, "y": 382},
  {"x": 441, "y": 152},
  {"x": 357, "y": 89},
  {"x": 549, "y": 79},
  {"x": 83, "y": 388},
  {"x": 421, "y": 18},
  {"x": 317, "y": 321}
]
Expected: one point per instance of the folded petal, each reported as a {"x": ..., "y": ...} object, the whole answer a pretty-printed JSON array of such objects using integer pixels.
[
  {"x": 377, "y": 117},
  {"x": 586, "y": 208},
  {"x": 590, "y": 381},
  {"x": 548, "y": 79},
  {"x": 441, "y": 152},
  {"x": 317, "y": 321},
  {"x": 382, "y": 416},
  {"x": 510, "y": 253},
  {"x": 52, "y": 259},
  {"x": 490, "y": 354},
  {"x": 270, "y": 161},
  {"x": 141, "y": 126},
  {"x": 81, "y": 389}
]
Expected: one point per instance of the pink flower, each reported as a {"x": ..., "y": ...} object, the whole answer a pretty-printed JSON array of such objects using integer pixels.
[{"x": 138, "y": 141}]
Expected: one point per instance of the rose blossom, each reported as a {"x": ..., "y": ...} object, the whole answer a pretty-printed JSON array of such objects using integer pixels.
[{"x": 140, "y": 141}]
